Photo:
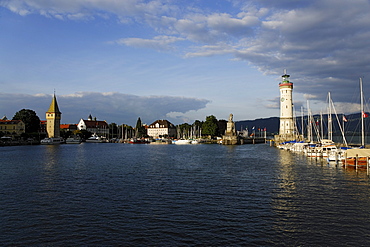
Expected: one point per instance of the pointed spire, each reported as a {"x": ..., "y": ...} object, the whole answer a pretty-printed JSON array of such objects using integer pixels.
[{"x": 54, "y": 105}]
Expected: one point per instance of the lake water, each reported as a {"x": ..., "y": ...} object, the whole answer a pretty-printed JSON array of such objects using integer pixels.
[{"x": 178, "y": 195}]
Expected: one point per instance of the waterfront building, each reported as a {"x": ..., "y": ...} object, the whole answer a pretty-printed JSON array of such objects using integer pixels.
[
  {"x": 94, "y": 126},
  {"x": 68, "y": 127},
  {"x": 42, "y": 129},
  {"x": 12, "y": 127},
  {"x": 161, "y": 128},
  {"x": 53, "y": 117}
]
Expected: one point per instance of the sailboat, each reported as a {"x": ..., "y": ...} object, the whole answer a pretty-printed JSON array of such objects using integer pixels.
[{"x": 358, "y": 158}]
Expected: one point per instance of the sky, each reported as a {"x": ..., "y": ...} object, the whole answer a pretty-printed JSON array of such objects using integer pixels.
[{"x": 181, "y": 60}]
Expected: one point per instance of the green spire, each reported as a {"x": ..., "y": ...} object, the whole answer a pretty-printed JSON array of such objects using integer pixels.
[{"x": 54, "y": 106}]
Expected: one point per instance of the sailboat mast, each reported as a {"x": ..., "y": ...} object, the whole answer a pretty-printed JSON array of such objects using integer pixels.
[
  {"x": 362, "y": 115},
  {"x": 302, "y": 121},
  {"x": 309, "y": 129},
  {"x": 330, "y": 122},
  {"x": 321, "y": 125}
]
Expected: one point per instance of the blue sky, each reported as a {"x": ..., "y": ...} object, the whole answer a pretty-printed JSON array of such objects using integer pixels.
[{"x": 180, "y": 60}]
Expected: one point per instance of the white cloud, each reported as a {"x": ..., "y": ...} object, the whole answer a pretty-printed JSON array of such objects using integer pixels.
[
  {"x": 157, "y": 43},
  {"x": 74, "y": 9},
  {"x": 314, "y": 40},
  {"x": 210, "y": 50}
]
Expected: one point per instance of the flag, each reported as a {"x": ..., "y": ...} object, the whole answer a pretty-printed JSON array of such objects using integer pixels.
[
  {"x": 253, "y": 127},
  {"x": 264, "y": 129},
  {"x": 364, "y": 114},
  {"x": 345, "y": 119}
]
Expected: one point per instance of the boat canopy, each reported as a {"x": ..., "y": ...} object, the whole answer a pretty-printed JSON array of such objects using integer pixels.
[{"x": 361, "y": 152}]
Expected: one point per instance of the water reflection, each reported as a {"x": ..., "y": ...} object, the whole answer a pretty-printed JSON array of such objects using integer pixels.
[
  {"x": 211, "y": 195},
  {"x": 50, "y": 157},
  {"x": 283, "y": 196}
]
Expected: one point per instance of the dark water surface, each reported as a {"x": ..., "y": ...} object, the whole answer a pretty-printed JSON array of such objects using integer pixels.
[{"x": 178, "y": 195}]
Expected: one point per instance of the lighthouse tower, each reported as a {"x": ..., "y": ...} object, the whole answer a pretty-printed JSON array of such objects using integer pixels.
[
  {"x": 53, "y": 116},
  {"x": 286, "y": 130}
]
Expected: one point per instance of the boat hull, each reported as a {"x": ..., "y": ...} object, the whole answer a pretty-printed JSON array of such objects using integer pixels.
[
  {"x": 360, "y": 162},
  {"x": 73, "y": 141},
  {"x": 52, "y": 141},
  {"x": 182, "y": 142}
]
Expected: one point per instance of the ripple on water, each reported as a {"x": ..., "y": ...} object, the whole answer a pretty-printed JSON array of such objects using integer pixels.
[{"x": 117, "y": 194}]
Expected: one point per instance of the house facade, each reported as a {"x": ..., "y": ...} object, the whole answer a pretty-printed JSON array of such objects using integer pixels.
[
  {"x": 161, "y": 128},
  {"x": 94, "y": 126},
  {"x": 12, "y": 127}
]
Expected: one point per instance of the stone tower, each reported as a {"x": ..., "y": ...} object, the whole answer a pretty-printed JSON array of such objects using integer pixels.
[
  {"x": 53, "y": 116},
  {"x": 286, "y": 107}
]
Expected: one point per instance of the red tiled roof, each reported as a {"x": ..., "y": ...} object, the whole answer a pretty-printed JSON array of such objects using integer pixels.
[
  {"x": 95, "y": 124},
  {"x": 164, "y": 123},
  {"x": 10, "y": 121},
  {"x": 68, "y": 126}
]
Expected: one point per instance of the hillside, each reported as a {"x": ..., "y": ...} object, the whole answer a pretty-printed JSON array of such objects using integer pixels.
[{"x": 352, "y": 126}]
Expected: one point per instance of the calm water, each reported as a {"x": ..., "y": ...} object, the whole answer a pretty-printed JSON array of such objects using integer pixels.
[{"x": 174, "y": 195}]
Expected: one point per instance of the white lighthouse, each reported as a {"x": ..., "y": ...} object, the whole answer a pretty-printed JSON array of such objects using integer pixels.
[{"x": 286, "y": 130}]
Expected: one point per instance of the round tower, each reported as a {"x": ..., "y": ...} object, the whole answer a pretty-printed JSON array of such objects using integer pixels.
[{"x": 286, "y": 107}]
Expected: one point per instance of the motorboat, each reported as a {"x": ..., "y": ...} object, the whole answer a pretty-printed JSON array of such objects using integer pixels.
[
  {"x": 138, "y": 141},
  {"x": 181, "y": 142},
  {"x": 52, "y": 141},
  {"x": 96, "y": 139},
  {"x": 73, "y": 140}
]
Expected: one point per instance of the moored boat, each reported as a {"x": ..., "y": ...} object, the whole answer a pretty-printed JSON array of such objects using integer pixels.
[
  {"x": 96, "y": 139},
  {"x": 356, "y": 157},
  {"x": 52, "y": 141},
  {"x": 73, "y": 140},
  {"x": 138, "y": 141},
  {"x": 181, "y": 142}
]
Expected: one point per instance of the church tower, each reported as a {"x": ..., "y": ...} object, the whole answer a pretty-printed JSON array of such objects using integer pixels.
[
  {"x": 53, "y": 116},
  {"x": 286, "y": 108}
]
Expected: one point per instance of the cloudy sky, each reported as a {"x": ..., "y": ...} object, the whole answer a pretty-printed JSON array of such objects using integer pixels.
[{"x": 180, "y": 60}]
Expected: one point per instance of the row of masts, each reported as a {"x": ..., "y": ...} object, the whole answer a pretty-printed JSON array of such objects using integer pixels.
[{"x": 311, "y": 127}]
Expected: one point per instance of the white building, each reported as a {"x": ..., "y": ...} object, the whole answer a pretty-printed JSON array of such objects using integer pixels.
[
  {"x": 161, "y": 128},
  {"x": 94, "y": 126}
]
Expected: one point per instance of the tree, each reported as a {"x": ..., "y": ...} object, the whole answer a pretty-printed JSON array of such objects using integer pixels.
[
  {"x": 125, "y": 131},
  {"x": 113, "y": 130},
  {"x": 184, "y": 130},
  {"x": 210, "y": 126},
  {"x": 29, "y": 118},
  {"x": 197, "y": 128},
  {"x": 140, "y": 130},
  {"x": 84, "y": 134}
]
